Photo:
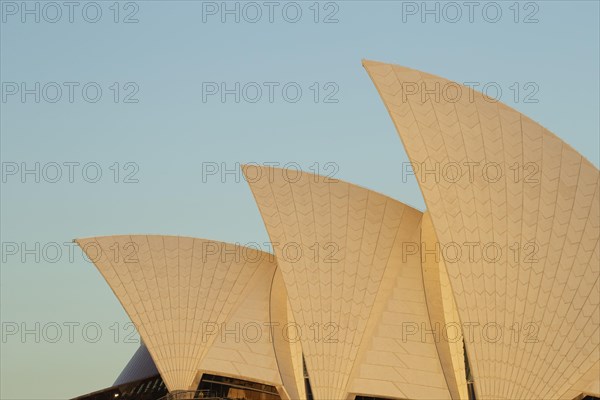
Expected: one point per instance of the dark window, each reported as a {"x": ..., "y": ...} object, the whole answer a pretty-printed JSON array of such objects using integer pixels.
[
  {"x": 307, "y": 388},
  {"x": 470, "y": 382},
  {"x": 233, "y": 388},
  {"x": 145, "y": 389}
]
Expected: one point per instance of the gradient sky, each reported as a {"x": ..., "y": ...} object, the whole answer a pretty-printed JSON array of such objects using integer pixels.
[{"x": 170, "y": 134}]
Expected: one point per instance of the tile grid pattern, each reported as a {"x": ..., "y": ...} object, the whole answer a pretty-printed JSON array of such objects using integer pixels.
[
  {"x": 171, "y": 287},
  {"x": 554, "y": 291},
  {"x": 244, "y": 348},
  {"x": 443, "y": 311},
  {"x": 344, "y": 236},
  {"x": 400, "y": 357},
  {"x": 288, "y": 351}
]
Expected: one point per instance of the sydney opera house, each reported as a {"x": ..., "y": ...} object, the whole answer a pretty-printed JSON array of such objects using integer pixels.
[{"x": 492, "y": 293}]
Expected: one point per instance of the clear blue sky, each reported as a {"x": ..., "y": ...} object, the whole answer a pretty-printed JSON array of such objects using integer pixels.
[{"x": 163, "y": 61}]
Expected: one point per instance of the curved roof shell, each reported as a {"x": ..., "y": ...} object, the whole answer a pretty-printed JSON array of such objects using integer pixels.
[
  {"x": 521, "y": 191},
  {"x": 182, "y": 293},
  {"x": 340, "y": 251}
]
